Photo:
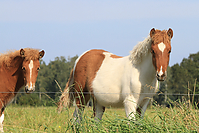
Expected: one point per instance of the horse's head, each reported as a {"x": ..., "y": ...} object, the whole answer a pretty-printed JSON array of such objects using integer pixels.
[
  {"x": 160, "y": 50},
  {"x": 30, "y": 68}
]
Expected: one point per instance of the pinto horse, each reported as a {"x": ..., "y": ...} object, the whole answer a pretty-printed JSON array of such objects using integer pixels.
[
  {"x": 17, "y": 69},
  {"x": 115, "y": 81}
]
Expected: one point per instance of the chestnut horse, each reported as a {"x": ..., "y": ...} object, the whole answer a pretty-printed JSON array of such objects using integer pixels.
[
  {"x": 17, "y": 69},
  {"x": 115, "y": 81}
]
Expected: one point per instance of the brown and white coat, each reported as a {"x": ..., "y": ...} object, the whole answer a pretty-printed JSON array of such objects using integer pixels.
[{"x": 117, "y": 81}]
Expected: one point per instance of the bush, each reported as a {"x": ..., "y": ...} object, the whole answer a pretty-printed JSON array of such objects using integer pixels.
[
  {"x": 34, "y": 100},
  {"x": 29, "y": 99}
]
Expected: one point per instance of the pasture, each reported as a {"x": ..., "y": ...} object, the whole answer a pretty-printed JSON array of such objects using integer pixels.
[{"x": 46, "y": 119}]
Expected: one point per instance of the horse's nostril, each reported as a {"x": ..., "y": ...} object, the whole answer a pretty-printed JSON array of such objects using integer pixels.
[
  {"x": 26, "y": 88},
  {"x": 161, "y": 77}
]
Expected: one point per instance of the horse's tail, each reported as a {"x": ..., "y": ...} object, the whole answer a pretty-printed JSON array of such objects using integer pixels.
[{"x": 67, "y": 96}]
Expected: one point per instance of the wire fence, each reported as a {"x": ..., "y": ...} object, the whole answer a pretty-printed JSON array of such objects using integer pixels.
[{"x": 171, "y": 94}]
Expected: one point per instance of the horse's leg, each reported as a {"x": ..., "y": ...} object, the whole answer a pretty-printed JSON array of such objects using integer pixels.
[
  {"x": 141, "y": 110},
  {"x": 78, "y": 114},
  {"x": 98, "y": 110},
  {"x": 130, "y": 105},
  {"x": 80, "y": 105},
  {"x": 1, "y": 120}
]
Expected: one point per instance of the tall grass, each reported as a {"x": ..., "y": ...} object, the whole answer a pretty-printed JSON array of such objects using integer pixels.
[{"x": 46, "y": 119}]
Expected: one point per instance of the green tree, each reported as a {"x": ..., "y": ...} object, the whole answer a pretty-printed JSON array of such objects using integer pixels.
[
  {"x": 57, "y": 70},
  {"x": 182, "y": 78}
]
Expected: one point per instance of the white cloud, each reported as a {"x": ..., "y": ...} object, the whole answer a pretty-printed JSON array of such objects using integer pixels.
[{"x": 66, "y": 11}]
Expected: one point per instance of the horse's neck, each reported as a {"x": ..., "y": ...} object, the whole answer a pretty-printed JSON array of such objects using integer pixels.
[
  {"x": 147, "y": 70},
  {"x": 16, "y": 74}
]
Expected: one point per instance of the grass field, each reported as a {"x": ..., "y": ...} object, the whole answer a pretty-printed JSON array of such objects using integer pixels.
[{"x": 46, "y": 119}]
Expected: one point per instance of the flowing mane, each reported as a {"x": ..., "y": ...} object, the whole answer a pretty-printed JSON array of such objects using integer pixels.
[
  {"x": 140, "y": 50},
  {"x": 31, "y": 54}
]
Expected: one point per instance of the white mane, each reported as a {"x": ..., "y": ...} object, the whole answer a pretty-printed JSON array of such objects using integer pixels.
[{"x": 140, "y": 50}]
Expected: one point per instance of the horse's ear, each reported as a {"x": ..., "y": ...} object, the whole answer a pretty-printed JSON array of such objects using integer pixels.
[
  {"x": 22, "y": 53},
  {"x": 170, "y": 33},
  {"x": 152, "y": 32},
  {"x": 41, "y": 54}
]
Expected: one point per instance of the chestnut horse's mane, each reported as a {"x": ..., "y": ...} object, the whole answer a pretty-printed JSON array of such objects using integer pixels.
[{"x": 30, "y": 54}]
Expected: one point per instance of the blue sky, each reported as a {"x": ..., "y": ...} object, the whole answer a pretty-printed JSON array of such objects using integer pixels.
[{"x": 70, "y": 27}]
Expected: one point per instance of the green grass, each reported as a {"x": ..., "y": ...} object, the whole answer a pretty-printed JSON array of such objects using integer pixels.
[{"x": 46, "y": 119}]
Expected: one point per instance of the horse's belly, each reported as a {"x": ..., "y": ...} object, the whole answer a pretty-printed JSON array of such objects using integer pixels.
[
  {"x": 107, "y": 83},
  {"x": 107, "y": 92},
  {"x": 112, "y": 99}
]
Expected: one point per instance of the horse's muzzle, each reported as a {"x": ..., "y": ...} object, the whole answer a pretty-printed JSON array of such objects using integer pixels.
[
  {"x": 162, "y": 77},
  {"x": 29, "y": 90}
]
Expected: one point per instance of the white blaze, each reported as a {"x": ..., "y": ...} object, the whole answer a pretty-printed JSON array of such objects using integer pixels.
[
  {"x": 31, "y": 67},
  {"x": 161, "y": 46},
  {"x": 161, "y": 72}
]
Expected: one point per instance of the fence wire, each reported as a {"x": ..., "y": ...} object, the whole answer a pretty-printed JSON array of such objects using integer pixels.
[{"x": 169, "y": 94}]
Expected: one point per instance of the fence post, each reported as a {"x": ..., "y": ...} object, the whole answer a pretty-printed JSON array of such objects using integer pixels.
[
  {"x": 194, "y": 89},
  {"x": 165, "y": 95},
  {"x": 40, "y": 91}
]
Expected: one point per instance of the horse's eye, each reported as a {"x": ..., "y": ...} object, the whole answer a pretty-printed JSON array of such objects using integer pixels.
[
  {"x": 38, "y": 68},
  {"x": 152, "y": 51},
  {"x": 169, "y": 51},
  {"x": 23, "y": 68}
]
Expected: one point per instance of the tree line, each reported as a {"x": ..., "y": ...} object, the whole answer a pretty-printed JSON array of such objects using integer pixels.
[{"x": 181, "y": 79}]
